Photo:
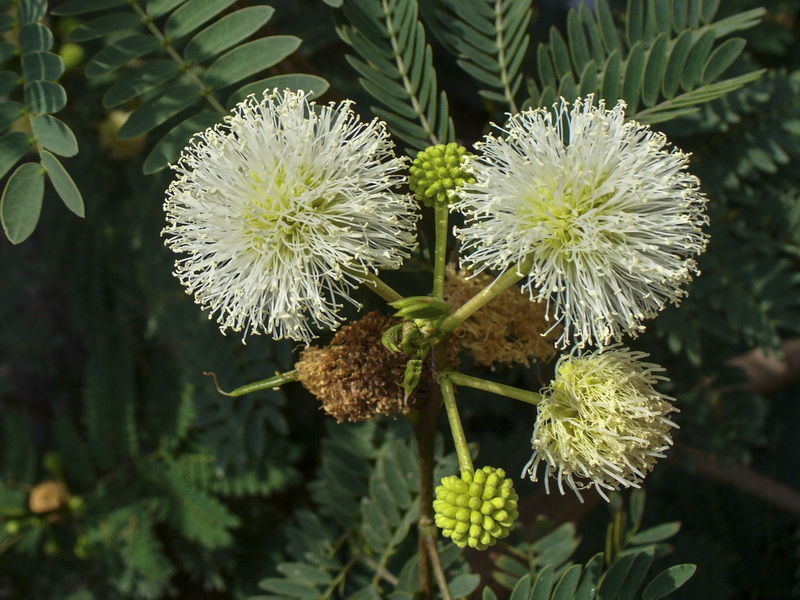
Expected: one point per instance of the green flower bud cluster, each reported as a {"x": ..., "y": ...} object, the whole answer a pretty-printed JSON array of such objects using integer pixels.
[
  {"x": 476, "y": 509},
  {"x": 437, "y": 172}
]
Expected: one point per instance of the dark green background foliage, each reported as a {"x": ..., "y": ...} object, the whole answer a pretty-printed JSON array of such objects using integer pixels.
[{"x": 178, "y": 491}]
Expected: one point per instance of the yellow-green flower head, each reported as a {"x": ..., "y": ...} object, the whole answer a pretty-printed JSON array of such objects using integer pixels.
[
  {"x": 283, "y": 210},
  {"x": 438, "y": 171},
  {"x": 601, "y": 422},
  {"x": 476, "y": 509},
  {"x": 606, "y": 211}
]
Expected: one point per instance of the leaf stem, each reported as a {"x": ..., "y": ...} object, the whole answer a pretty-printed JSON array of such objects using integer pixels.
[
  {"x": 487, "y": 294},
  {"x": 440, "y": 252},
  {"x": 270, "y": 383},
  {"x": 207, "y": 93},
  {"x": 457, "y": 430},
  {"x": 495, "y": 388}
]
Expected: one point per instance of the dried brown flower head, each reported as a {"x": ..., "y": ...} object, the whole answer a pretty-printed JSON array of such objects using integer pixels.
[
  {"x": 48, "y": 496},
  {"x": 507, "y": 330},
  {"x": 356, "y": 376}
]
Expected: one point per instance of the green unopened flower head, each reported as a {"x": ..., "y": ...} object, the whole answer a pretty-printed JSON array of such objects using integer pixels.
[
  {"x": 476, "y": 509},
  {"x": 438, "y": 171},
  {"x": 601, "y": 422}
]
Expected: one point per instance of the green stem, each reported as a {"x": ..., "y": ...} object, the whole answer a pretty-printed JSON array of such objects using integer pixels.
[
  {"x": 380, "y": 288},
  {"x": 440, "y": 253},
  {"x": 495, "y": 388},
  {"x": 487, "y": 294},
  {"x": 270, "y": 383},
  {"x": 457, "y": 430}
]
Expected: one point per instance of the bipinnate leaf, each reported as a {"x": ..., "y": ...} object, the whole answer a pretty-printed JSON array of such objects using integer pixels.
[
  {"x": 663, "y": 51},
  {"x": 21, "y": 203},
  {"x": 491, "y": 39},
  {"x": 397, "y": 70}
]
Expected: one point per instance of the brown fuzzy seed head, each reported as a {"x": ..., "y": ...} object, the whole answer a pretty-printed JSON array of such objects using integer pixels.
[
  {"x": 507, "y": 330},
  {"x": 48, "y": 496},
  {"x": 356, "y": 376}
]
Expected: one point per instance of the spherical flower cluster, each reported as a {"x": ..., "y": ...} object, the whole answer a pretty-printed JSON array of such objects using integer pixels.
[
  {"x": 283, "y": 210},
  {"x": 608, "y": 215},
  {"x": 437, "y": 172},
  {"x": 356, "y": 377},
  {"x": 476, "y": 509},
  {"x": 601, "y": 422},
  {"x": 510, "y": 329}
]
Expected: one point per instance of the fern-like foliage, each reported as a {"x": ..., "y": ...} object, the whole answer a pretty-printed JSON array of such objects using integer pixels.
[
  {"x": 665, "y": 64},
  {"x": 31, "y": 95},
  {"x": 367, "y": 504},
  {"x": 396, "y": 68},
  {"x": 542, "y": 569},
  {"x": 743, "y": 146},
  {"x": 169, "y": 58},
  {"x": 491, "y": 38}
]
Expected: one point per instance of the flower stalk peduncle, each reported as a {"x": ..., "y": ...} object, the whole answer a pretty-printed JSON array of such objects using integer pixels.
[
  {"x": 271, "y": 383},
  {"x": 440, "y": 253},
  {"x": 487, "y": 294},
  {"x": 381, "y": 289},
  {"x": 495, "y": 388},
  {"x": 457, "y": 430}
]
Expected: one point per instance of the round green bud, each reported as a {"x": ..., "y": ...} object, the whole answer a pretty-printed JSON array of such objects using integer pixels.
[
  {"x": 476, "y": 509},
  {"x": 438, "y": 171}
]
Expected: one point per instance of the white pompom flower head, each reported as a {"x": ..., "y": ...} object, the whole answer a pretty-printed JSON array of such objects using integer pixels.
[
  {"x": 283, "y": 210},
  {"x": 606, "y": 211},
  {"x": 601, "y": 422}
]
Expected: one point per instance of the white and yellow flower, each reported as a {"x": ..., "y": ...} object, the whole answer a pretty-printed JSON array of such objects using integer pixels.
[
  {"x": 601, "y": 422},
  {"x": 607, "y": 212},
  {"x": 282, "y": 211}
]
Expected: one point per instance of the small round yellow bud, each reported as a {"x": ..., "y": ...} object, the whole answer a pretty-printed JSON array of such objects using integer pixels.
[
  {"x": 476, "y": 509},
  {"x": 437, "y": 173}
]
